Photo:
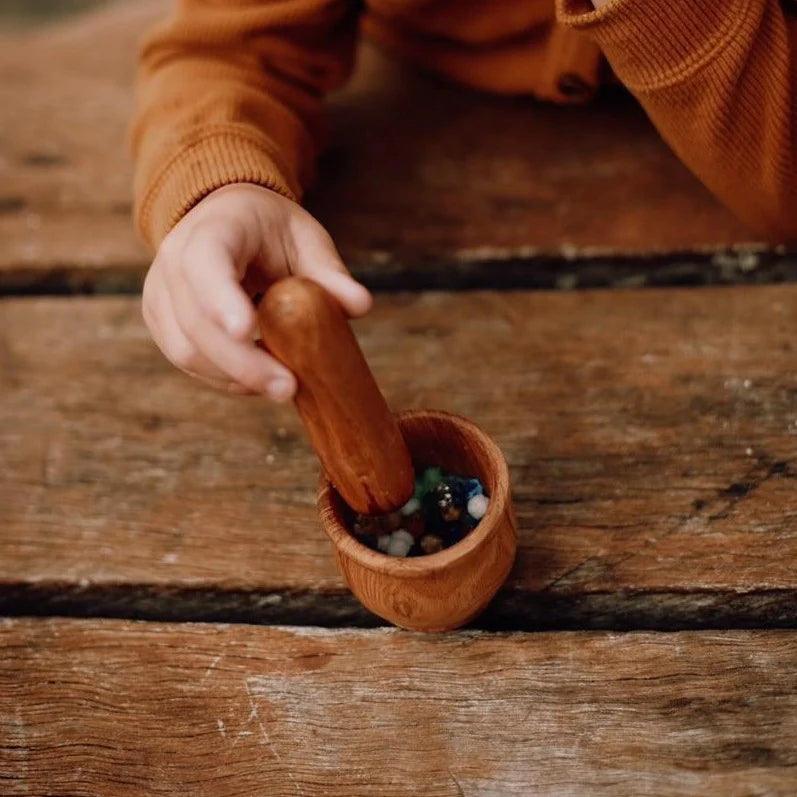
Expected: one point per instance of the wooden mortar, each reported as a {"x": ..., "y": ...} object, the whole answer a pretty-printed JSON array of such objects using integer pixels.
[
  {"x": 368, "y": 456},
  {"x": 439, "y": 591}
]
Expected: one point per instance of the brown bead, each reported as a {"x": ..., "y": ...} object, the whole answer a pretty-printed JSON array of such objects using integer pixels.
[
  {"x": 451, "y": 513},
  {"x": 367, "y": 524},
  {"x": 431, "y": 543}
]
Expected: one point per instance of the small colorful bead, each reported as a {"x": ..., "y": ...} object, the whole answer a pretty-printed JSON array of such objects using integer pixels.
[
  {"x": 411, "y": 507},
  {"x": 367, "y": 524},
  {"x": 400, "y": 543},
  {"x": 473, "y": 487},
  {"x": 446, "y": 504},
  {"x": 431, "y": 543},
  {"x": 477, "y": 506},
  {"x": 430, "y": 478}
]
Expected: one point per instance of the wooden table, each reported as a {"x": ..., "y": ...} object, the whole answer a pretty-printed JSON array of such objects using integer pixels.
[{"x": 175, "y": 623}]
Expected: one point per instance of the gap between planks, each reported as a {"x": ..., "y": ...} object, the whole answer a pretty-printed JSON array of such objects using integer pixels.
[
  {"x": 494, "y": 269},
  {"x": 511, "y": 610}
]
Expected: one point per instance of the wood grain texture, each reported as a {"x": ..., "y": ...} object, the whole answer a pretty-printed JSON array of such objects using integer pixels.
[
  {"x": 650, "y": 435},
  {"x": 446, "y": 590},
  {"x": 97, "y": 708},
  {"x": 351, "y": 428},
  {"x": 472, "y": 190}
]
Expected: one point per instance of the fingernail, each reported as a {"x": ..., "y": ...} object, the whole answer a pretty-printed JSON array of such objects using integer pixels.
[{"x": 280, "y": 389}]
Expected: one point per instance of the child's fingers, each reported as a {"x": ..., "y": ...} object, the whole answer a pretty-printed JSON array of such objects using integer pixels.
[
  {"x": 209, "y": 266},
  {"x": 169, "y": 337},
  {"x": 319, "y": 261},
  {"x": 241, "y": 361}
]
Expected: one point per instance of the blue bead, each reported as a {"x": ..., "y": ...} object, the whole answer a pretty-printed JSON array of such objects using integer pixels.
[{"x": 474, "y": 487}]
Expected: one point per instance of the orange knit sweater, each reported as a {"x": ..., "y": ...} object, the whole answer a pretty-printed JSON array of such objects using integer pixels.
[{"x": 231, "y": 90}]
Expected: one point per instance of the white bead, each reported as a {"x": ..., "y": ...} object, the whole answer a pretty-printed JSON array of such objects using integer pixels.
[
  {"x": 383, "y": 542},
  {"x": 412, "y": 506},
  {"x": 477, "y": 506},
  {"x": 403, "y": 534},
  {"x": 400, "y": 543}
]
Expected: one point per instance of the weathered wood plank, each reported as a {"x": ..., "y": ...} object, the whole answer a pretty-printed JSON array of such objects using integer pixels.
[
  {"x": 473, "y": 190},
  {"x": 651, "y": 437},
  {"x": 92, "y": 708}
]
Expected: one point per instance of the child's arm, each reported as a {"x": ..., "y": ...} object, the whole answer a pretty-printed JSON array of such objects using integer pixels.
[
  {"x": 225, "y": 138},
  {"x": 719, "y": 80}
]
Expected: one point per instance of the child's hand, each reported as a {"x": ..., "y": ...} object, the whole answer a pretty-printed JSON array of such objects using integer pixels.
[{"x": 195, "y": 306}]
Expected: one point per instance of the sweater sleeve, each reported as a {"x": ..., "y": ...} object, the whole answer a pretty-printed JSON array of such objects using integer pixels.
[
  {"x": 717, "y": 78},
  {"x": 231, "y": 91}
]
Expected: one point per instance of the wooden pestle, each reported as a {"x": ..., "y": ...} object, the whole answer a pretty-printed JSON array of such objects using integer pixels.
[{"x": 351, "y": 428}]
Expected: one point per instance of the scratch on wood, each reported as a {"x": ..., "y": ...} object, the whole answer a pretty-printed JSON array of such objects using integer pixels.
[
  {"x": 569, "y": 573},
  {"x": 704, "y": 511},
  {"x": 255, "y": 715},
  {"x": 737, "y": 491},
  {"x": 240, "y": 735},
  {"x": 210, "y": 669},
  {"x": 460, "y": 791}
]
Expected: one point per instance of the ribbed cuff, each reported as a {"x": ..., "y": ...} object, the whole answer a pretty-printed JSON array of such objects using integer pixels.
[
  {"x": 214, "y": 158},
  {"x": 652, "y": 43}
]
